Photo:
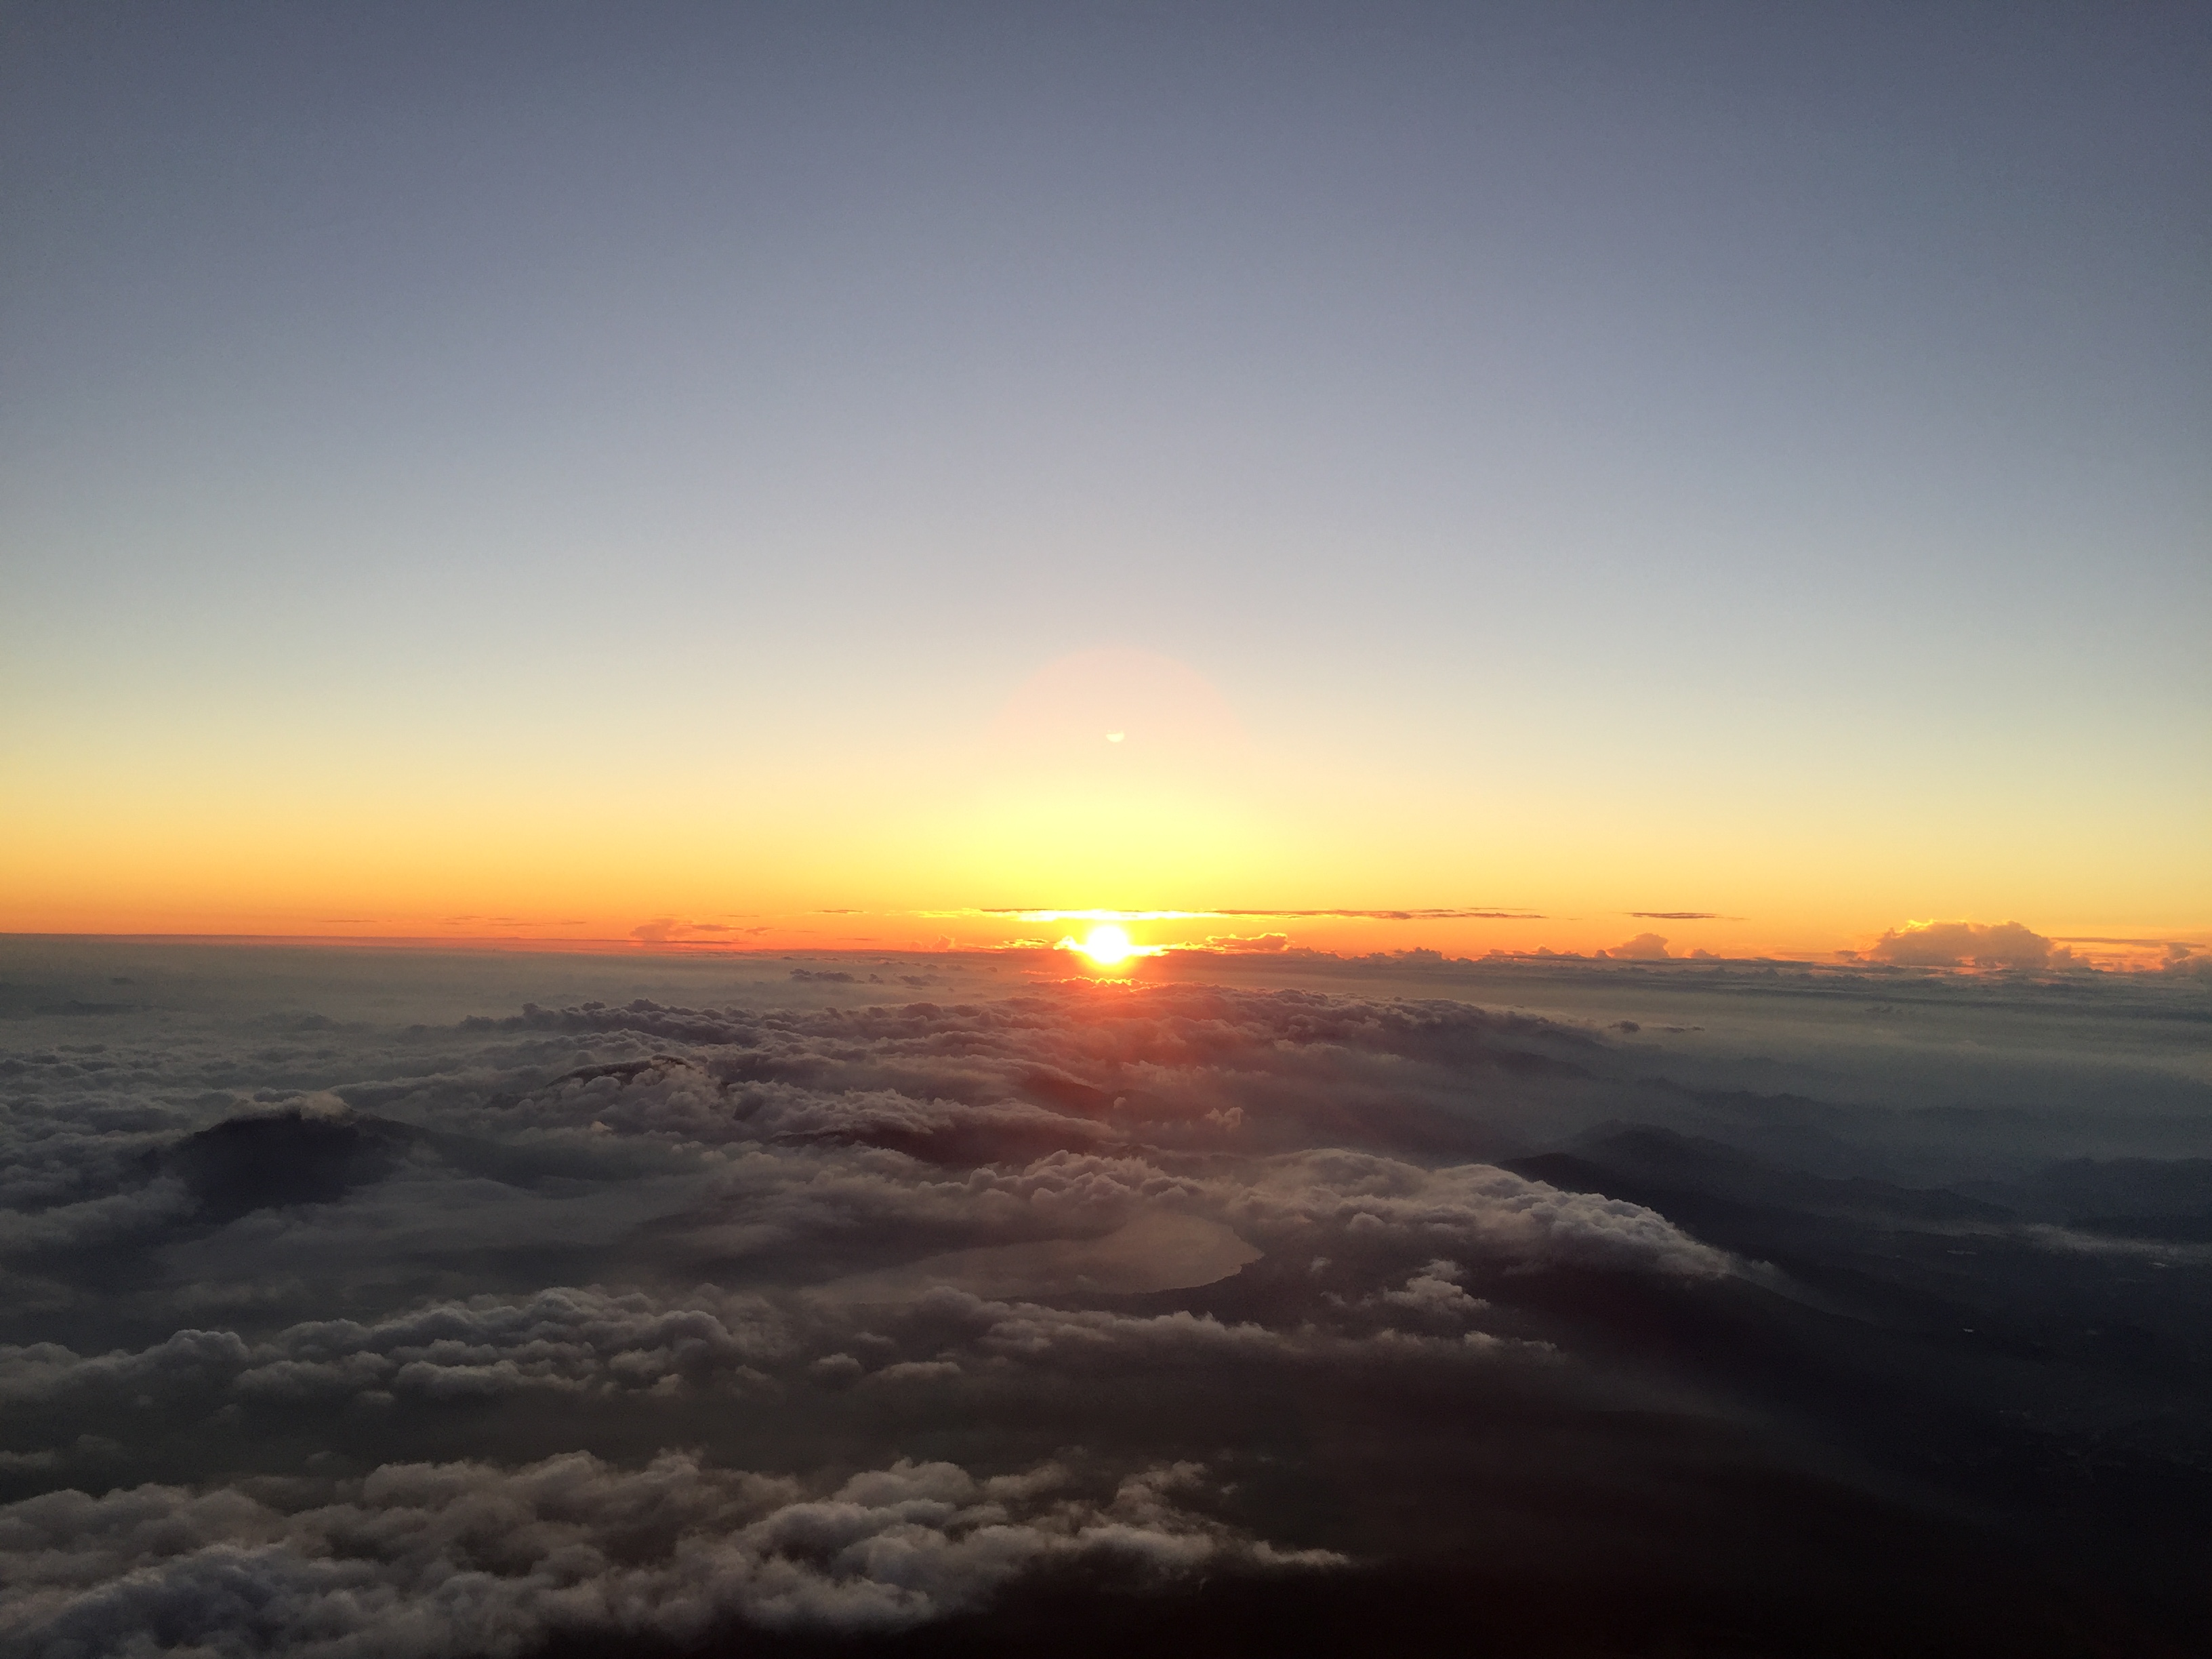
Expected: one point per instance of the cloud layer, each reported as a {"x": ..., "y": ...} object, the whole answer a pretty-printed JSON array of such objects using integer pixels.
[
  {"x": 637, "y": 1318},
  {"x": 784, "y": 1214},
  {"x": 460, "y": 1558}
]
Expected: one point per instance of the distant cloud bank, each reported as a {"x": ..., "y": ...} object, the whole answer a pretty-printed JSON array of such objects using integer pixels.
[{"x": 1968, "y": 945}]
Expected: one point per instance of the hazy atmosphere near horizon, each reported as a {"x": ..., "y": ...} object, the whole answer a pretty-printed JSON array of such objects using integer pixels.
[{"x": 970, "y": 829}]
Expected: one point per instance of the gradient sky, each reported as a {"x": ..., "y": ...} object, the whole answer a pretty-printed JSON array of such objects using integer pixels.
[{"x": 577, "y": 465}]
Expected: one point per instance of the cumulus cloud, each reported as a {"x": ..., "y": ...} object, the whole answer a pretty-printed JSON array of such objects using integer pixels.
[
  {"x": 2183, "y": 962},
  {"x": 1968, "y": 944},
  {"x": 1645, "y": 947},
  {"x": 46, "y": 1370},
  {"x": 1477, "y": 1207},
  {"x": 803, "y": 1145},
  {"x": 594, "y": 1342},
  {"x": 1435, "y": 1292},
  {"x": 463, "y": 1557},
  {"x": 566, "y": 1340},
  {"x": 95, "y": 1221}
]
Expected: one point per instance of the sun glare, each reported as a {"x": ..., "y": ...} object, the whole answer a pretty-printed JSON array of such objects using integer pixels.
[{"x": 1108, "y": 946}]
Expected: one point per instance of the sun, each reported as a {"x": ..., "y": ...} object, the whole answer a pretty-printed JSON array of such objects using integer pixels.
[{"x": 1108, "y": 946}]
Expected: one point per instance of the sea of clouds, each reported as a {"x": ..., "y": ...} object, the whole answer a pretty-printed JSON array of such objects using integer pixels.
[{"x": 361, "y": 1302}]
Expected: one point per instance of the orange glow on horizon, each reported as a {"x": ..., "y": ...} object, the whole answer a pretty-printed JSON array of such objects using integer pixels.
[{"x": 1202, "y": 834}]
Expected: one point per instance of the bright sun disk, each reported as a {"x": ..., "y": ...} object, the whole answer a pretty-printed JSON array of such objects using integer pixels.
[{"x": 1107, "y": 945}]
